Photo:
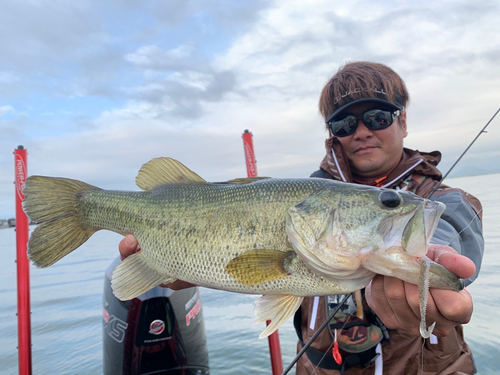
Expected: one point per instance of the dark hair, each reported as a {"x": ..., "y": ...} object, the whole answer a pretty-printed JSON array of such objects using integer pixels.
[{"x": 362, "y": 79}]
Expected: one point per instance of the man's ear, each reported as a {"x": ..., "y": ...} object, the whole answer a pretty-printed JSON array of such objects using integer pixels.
[{"x": 402, "y": 123}]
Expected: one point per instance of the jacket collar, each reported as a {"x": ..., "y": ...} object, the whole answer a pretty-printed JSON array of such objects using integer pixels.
[{"x": 424, "y": 163}]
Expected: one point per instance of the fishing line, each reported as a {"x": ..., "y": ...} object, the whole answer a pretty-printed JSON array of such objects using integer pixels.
[
  {"x": 467, "y": 226},
  {"x": 316, "y": 334},
  {"x": 476, "y": 215},
  {"x": 324, "y": 355},
  {"x": 422, "y": 357},
  {"x": 463, "y": 153}
]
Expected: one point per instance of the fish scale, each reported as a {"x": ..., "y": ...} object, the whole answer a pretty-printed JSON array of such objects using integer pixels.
[{"x": 164, "y": 212}]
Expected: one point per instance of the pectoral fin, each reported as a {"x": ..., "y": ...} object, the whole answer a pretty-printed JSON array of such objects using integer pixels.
[
  {"x": 260, "y": 266},
  {"x": 277, "y": 308},
  {"x": 134, "y": 277}
]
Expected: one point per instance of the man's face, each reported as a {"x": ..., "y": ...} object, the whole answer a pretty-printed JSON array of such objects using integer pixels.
[{"x": 373, "y": 153}]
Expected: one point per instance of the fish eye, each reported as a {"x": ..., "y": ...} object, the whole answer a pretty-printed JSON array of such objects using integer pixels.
[{"x": 389, "y": 198}]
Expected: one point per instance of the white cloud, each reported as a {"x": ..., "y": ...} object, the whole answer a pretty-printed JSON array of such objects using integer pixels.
[
  {"x": 190, "y": 91},
  {"x": 5, "y": 109},
  {"x": 152, "y": 57},
  {"x": 8, "y": 77}
]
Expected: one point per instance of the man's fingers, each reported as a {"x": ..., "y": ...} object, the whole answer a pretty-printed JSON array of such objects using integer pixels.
[
  {"x": 386, "y": 296},
  {"x": 454, "y": 306},
  {"x": 397, "y": 303},
  {"x": 398, "y": 294},
  {"x": 460, "y": 265},
  {"x": 128, "y": 246}
]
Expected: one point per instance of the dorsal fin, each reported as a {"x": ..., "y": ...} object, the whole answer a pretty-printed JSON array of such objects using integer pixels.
[
  {"x": 161, "y": 171},
  {"x": 246, "y": 180}
]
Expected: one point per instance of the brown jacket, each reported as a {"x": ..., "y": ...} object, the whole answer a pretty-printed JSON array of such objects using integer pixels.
[{"x": 402, "y": 353}]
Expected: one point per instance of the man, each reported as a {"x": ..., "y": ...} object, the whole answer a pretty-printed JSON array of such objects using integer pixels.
[{"x": 364, "y": 108}]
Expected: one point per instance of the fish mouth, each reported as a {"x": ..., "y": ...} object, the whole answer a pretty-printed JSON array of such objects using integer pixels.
[
  {"x": 404, "y": 260},
  {"x": 420, "y": 228},
  {"x": 433, "y": 211}
]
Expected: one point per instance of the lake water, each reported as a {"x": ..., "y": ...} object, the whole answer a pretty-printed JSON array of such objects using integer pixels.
[{"x": 66, "y": 304}]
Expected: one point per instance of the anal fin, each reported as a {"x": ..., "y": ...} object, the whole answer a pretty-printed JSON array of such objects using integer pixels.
[
  {"x": 134, "y": 277},
  {"x": 277, "y": 308}
]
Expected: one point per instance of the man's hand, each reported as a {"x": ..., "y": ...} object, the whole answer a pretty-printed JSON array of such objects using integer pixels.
[
  {"x": 129, "y": 245},
  {"x": 396, "y": 302}
]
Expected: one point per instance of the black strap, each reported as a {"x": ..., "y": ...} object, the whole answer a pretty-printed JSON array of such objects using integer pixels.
[{"x": 326, "y": 360}]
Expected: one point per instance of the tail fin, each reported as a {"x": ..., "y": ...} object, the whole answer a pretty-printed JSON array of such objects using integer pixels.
[{"x": 53, "y": 204}]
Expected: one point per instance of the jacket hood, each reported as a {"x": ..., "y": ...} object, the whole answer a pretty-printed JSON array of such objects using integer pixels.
[{"x": 335, "y": 163}]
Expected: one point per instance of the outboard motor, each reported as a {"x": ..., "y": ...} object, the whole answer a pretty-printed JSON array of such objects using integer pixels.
[{"x": 159, "y": 332}]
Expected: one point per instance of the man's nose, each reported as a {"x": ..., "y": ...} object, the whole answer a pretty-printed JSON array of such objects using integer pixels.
[{"x": 362, "y": 131}]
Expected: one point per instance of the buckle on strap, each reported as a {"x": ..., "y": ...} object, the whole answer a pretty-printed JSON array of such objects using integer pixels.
[{"x": 326, "y": 360}]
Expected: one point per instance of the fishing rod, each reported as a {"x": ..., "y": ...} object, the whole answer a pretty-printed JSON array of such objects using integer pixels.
[
  {"x": 325, "y": 323},
  {"x": 463, "y": 153},
  {"x": 316, "y": 334}
]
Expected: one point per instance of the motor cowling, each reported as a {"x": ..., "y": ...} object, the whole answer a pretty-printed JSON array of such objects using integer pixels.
[{"x": 159, "y": 332}]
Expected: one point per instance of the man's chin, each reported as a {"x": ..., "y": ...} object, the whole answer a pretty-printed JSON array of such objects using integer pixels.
[{"x": 367, "y": 170}]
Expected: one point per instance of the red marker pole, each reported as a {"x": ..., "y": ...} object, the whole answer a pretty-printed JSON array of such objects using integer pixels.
[
  {"x": 249, "y": 154},
  {"x": 273, "y": 339},
  {"x": 23, "y": 271}
]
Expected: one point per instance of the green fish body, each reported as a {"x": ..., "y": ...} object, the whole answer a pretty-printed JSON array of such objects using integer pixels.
[{"x": 285, "y": 238}]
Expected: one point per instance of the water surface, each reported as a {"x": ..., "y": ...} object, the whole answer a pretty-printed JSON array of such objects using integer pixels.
[{"x": 66, "y": 301}]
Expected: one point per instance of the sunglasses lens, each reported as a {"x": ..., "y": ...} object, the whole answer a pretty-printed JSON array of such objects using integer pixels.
[
  {"x": 344, "y": 127},
  {"x": 377, "y": 119},
  {"x": 374, "y": 119}
]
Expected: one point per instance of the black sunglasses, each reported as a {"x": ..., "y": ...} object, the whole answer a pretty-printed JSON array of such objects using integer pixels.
[{"x": 374, "y": 119}]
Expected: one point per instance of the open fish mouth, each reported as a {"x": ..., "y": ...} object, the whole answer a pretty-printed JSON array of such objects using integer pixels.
[
  {"x": 404, "y": 260},
  {"x": 421, "y": 227},
  {"x": 432, "y": 214}
]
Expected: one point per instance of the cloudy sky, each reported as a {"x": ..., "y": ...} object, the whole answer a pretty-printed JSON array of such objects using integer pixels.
[{"x": 94, "y": 89}]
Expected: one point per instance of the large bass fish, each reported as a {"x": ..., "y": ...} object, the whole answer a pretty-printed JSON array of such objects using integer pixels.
[{"x": 285, "y": 238}]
